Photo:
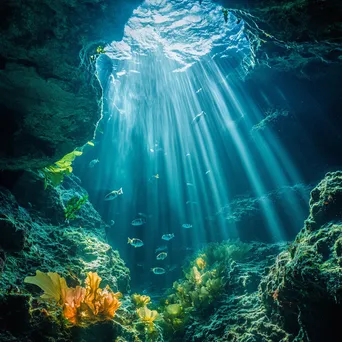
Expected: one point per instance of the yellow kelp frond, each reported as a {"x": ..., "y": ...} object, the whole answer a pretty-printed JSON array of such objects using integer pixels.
[
  {"x": 53, "y": 285},
  {"x": 67, "y": 160},
  {"x": 140, "y": 300},
  {"x": 54, "y": 174},
  {"x": 195, "y": 275},
  {"x": 200, "y": 262},
  {"x": 146, "y": 315}
]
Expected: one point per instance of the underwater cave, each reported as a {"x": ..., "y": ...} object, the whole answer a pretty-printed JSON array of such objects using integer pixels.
[{"x": 170, "y": 170}]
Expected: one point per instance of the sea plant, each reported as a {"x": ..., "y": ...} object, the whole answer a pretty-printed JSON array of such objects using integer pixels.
[
  {"x": 205, "y": 279},
  {"x": 81, "y": 306},
  {"x": 141, "y": 300},
  {"x": 54, "y": 174},
  {"x": 147, "y": 317},
  {"x": 73, "y": 206}
]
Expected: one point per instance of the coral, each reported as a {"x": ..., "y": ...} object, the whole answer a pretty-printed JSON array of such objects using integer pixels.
[{"x": 81, "y": 306}]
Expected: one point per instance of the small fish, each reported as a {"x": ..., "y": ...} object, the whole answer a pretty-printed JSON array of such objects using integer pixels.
[
  {"x": 114, "y": 194},
  {"x": 93, "y": 163},
  {"x": 189, "y": 184},
  {"x": 145, "y": 215},
  {"x": 151, "y": 150},
  {"x": 158, "y": 270},
  {"x": 206, "y": 172},
  {"x": 135, "y": 242},
  {"x": 138, "y": 222},
  {"x": 191, "y": 202},
  {"x": 154, "y": 176},
  {"x": 140, "y": 265},
  {"x": 168, "y": 237},
  {"x": 161, "y": 256},
  {"x": 172, "y": 268},
  {"x": 187, "y": 225},
  {"x": 161, "y": 249},
  {"x": 187, "y": 155},
  {"x": 142, "y": 214},
  {"x": 198, "y": 117},
  {"x": 112, "y": 222},
  {"x": 198, "y": 90}
]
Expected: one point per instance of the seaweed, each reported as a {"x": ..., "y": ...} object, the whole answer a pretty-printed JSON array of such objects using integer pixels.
[{"x": 73, "y": 206}]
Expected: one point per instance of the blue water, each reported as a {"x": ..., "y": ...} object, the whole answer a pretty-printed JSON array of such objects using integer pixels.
[{"x": 176, "y": 62}]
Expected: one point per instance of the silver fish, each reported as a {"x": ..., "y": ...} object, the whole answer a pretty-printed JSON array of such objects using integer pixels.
[
  {"x": 168, "y": 237},
  {"x": 114, "y": 194},
  {"x": 189, "y": 184},
  {"x": 93, "y": 163},
  {"x": 187, "y": 225},
  {"x": 199, "y": 90},
  {"x": 158, "y": 270},
  {"x": 207, "y": 172},
  {"x": 161, "y": 256},
  {"x": 198, "y": 117},
  {"x": 138, "y": 222},
  {"x": 112, "y": 222},
  {"x": 135, "y": 242}
]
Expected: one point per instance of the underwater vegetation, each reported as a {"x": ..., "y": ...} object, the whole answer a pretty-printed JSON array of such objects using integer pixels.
[
  {"x": 206, "y": 278},
  {"x": 73, "y": 206},
  {"x": 53, "y": 175},
  {"x": 81, "y": 305}
]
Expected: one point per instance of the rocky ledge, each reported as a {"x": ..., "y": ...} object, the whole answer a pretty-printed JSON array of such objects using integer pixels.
[{"x": 297, "y": 35}]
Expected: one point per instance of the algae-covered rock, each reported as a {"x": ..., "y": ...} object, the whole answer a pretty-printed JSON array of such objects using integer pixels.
[
  {"x": 52, "y": 245},
  {"x": 303, "y": 287}
]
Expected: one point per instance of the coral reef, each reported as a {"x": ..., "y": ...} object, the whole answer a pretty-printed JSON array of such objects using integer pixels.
[{"x": 46, "y": 242}]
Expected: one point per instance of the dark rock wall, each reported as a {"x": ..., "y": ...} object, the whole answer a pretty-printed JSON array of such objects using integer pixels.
[
  {"x": 50, "y": 99},
  {"x": 295, "y": 35}
]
